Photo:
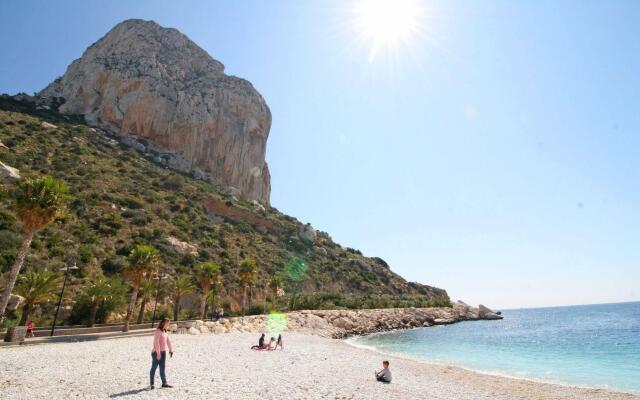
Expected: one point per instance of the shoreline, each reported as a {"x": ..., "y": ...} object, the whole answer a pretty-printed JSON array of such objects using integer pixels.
[
  {"x": 223, "y": 367},
  {"x": 438, "y": 363}
]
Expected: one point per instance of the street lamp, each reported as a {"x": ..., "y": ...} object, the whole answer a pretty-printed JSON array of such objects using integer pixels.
[
  {"x": 155, "y": 306},
  {"x": 64, "y": 284},
  {"x": 216, "y": 285}
]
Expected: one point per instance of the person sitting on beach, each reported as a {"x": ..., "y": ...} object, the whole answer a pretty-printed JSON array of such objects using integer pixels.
[
  {"x": 270, "y": 345},
  {"x": 279, "y": 343},
  {"x": 384, "y": 375},
  {"x": 29, "y": 329},
  {"x": 161, "y": 343},
  {"x": 260, "y": 345}
]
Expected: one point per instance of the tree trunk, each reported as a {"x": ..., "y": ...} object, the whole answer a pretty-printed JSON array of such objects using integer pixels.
[
  {"x": 176, "y": 308},
  {"x": 143, "y": 304},
  {"x": 203, "y": 302},
  {"x": 26, "y": 311},
  {"x": 244, "y": 299},
  {"x": 13, "y": 273},
  {"x": 132, "y": 303},
  {"x": 92, "y": 313}
]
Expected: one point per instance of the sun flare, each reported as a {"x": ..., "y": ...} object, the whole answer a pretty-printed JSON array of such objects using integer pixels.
[{"x": 387, "y": 24}]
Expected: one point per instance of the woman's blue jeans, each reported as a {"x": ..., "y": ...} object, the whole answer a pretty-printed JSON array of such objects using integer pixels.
[{"x": 154, "y": 365}]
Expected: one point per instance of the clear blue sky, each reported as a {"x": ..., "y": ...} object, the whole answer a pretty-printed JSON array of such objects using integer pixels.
[{"x": 497, "y": 155}]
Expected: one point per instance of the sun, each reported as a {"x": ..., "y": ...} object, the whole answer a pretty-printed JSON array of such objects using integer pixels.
[{"x": 388, "y": 24}]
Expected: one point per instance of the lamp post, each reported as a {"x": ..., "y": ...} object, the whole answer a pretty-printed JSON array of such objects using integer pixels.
[
  {"x": 155, "y": 306},
  {"x": 213, "y": 306},
  {"x": 64, "y": 284},
  {"x": 216, "y": 286}
]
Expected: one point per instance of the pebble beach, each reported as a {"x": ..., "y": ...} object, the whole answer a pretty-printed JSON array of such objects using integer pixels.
[{"x": 223, "y": 367}]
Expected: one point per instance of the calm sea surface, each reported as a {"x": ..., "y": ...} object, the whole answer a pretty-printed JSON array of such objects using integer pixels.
[{"x": 592, "y": 345}]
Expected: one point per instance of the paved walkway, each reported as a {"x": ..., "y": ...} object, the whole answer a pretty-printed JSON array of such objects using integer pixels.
[{"x": 79, "y": 338}]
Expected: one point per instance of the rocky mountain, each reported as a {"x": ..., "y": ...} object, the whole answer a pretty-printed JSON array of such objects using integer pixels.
[
  {"x": 160, "y": 93},
  {"x": 121, "y": 198}
]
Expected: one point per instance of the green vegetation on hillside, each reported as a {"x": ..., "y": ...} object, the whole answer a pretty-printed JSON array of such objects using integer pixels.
[{"x": 121, "y": 200}]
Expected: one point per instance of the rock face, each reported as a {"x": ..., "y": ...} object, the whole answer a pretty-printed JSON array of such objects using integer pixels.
[{"x": 162, "y": 94}]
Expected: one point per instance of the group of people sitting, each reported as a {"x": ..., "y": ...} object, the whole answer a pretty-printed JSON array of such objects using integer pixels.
[{"x": 269, "y": 346}]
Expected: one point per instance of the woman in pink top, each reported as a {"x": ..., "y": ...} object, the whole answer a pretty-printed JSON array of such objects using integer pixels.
[{"x": 161, "y": 343}]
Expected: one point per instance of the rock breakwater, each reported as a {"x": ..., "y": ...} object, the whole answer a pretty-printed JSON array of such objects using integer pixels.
[{"x": 340, "y": 323}]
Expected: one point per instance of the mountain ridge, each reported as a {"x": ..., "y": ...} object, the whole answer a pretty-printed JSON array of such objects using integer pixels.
[{"x": 123, "y": 198}]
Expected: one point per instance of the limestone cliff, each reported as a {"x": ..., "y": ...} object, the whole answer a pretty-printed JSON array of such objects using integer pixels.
[{"x": 158, "y": 91}]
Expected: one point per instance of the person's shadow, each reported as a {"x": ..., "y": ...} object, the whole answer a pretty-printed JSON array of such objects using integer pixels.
[{"x": 128, "y": 393}]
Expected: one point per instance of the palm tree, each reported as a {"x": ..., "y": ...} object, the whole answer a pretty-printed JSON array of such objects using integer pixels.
[
  {"x": 98, "y": 291},
  {"x": 247, "y": 273},
  {"x": 37, "y": 203},
  {"x": 36, "y": 287},
  {"x": 143, "y": 261},
  {"x": 147, "y": 289},
  {"x": 207, "y": 273},
  {"x": 183, "y": 285},
  {"x": 275, "y": 284}
]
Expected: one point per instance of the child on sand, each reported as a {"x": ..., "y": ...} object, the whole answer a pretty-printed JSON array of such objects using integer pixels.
[
  {"x": 161, "y": 343},
  {"x": 29, "y": 329},
  {"x": 384, "y": 375}
]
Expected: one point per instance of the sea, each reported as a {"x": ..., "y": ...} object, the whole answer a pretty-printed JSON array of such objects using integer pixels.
[{"x": 595, "y": 346}]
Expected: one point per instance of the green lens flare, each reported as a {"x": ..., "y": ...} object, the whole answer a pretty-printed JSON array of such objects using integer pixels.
[
  {"x": 296, "y": 268},
  {"x": 276, "y": 322}
]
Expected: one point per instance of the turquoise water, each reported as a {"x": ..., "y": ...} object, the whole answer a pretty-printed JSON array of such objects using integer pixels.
[{"x": 593, "y": 346}]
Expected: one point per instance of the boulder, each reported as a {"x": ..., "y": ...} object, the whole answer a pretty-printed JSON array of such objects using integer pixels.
[
  {"x": 443, "y": 321},
  {"x": 15, "y": 302},
  {"x": 181, "y": 247},
  {"x": 465, "y": 311},
  {"x": 204, "y": 329},
  {"x": 9, "y": 173},
  {"x": 307, "y": 233},
  {"x": 173, "y": 328},
  {"x": 342, "y": 323},
  {"x": 46, "y": 124},
  {"x": 194, "y": 331},
  {"x": 486, "y": 313}
]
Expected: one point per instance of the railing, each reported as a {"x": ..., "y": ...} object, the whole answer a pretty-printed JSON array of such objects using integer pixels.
[{"x": 98, "y": 328}]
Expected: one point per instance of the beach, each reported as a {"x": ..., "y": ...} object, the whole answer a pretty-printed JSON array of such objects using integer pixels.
[{"x": 223, "y": 367}]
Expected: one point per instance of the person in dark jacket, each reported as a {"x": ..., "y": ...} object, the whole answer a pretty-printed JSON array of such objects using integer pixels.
[{"x": 260, "y": 345}]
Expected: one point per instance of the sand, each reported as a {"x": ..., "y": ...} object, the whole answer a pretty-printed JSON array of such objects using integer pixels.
[{"x": 212, "y": 366}]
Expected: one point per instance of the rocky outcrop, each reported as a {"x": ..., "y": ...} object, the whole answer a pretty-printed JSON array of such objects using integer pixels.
[
  {"x": 228, "y": 211},
  {"x": 308, "y": 233},
  {"x": 338, "y": 323},
  {"x": 8, "y": 173},
  {"x": 486, "y": 313},
  {"x": 160, "y": 93},
  {"x": 181, "y": 247},
  {"x": 15, "y": 302}
]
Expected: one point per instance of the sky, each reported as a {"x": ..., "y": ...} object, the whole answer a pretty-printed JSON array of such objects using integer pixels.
[{"x": 494, "y": 151}]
